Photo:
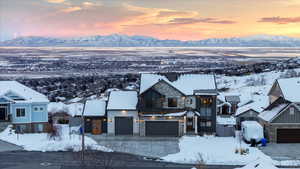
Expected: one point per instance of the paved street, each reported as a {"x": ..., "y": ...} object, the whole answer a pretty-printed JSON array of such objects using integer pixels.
[
  {"x": 94, "y": 160},
  {"x": 282, "y": 151},
  {"x": 145, "y": 146},
  {"x": 4, "y": 146}
]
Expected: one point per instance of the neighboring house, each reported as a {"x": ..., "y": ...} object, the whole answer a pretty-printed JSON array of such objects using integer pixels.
[
  {"x": 95, "y": 121},
  {"x": 225, "y": 126},
  {"x": 281, "y": 119},
  {"x": 234, "y": 100},
  {"x": 223, "y": 107},
  {"x": 122, "y": 114},
  {"x": 176, "y": 104},
  {"x": 25, "y": 108},
  {"x": 247, "y": 112},
  {"x": 58, "y": 113}
]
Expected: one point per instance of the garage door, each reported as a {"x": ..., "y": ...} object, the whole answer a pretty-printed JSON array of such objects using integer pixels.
[
  {"x": 123, "y": 125},
  {"x": 288, "y": 135},
  {"x": 162, "y": 128}
]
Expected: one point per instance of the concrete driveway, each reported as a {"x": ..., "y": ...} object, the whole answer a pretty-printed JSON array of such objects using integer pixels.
[
  {"x": 282, "y": 151},
  {"x": 5, "y": 146},
  {"x": 145, "y": 146}
]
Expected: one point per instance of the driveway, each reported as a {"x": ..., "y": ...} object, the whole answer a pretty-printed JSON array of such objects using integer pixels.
[
  {"x": 282, "y": 151},
  {"x": 145, "y": 146},
  {"x": 4, "y": 146}
]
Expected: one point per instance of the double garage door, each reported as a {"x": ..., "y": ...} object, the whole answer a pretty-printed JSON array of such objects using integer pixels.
[
  {"x": 162, "y": 128},
  {"x": 288, "y": 135}
]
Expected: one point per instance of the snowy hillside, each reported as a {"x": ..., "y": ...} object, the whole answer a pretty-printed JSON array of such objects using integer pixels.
[
  {"x": 254, "y": 87},
  {"x": 117, "y": 40}
]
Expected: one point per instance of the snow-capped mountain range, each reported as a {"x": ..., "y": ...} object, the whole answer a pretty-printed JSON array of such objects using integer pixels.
[{"x": 117, "y": 40}]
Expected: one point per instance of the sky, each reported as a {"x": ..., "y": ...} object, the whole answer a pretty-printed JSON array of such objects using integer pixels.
[{"x": 163, "y": 19}]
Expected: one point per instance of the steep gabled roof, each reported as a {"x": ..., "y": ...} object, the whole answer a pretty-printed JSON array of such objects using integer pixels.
[
  {"x": 256, "y": 106},
  {"x": 290, "y": 88},
  {"x": 274, "y": 109},
  {"x": 186, "y": 83},
  {"x": 22, "y": 91}
]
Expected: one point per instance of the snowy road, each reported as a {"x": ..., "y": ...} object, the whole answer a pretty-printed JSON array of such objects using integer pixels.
[{"x": 68, "y": 160}]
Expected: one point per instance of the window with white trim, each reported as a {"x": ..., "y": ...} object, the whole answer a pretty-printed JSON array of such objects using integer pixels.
[{"x": 20, "y": 112}]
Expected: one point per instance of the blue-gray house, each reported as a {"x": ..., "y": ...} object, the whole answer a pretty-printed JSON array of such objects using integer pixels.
[{"x": 25, "y": 108}]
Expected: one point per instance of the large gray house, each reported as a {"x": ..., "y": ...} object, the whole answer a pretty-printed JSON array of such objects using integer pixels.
[
  {"x": 177, "y": 104},
  {"x": 281, "y": 119}
]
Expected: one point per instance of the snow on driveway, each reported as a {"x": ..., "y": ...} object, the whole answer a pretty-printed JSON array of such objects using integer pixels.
[
  {"x": 41, "y": 141},
  {"x": 214, "y": 150}
]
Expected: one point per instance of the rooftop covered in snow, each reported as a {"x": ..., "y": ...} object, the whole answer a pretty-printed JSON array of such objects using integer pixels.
[
  {"x": 257, "y": 106},
  {"x": 96, "y": 107},
  {"x": 122, "y": 100},
  {"x": 186, "y": 83},
  {"x": 274, "y": 109},
  {"x": 20, "y": 93},
  {"x": 289, "y": 87}
]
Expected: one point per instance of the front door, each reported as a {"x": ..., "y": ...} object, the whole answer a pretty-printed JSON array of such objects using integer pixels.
[
  {"x": 2, "y": 114},
  {"x": 97, "y": 127},
  {"x": 190, "y": 124}
]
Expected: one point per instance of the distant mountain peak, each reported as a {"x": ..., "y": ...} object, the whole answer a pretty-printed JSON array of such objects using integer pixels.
[{"x": 120, "y": 40}]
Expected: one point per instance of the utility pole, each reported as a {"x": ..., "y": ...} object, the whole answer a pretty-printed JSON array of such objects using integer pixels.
[{"x": 82, "y": 133}]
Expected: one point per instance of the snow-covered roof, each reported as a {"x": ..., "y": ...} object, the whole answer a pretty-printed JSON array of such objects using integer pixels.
[
  {"x": 175, "y": 114},
  {"x": 226, "y": 120},
  {"x": 233, "y": 98},
  {"x": 122, "y": 100},
  {"x": 57, "y": 107},
  {"x": 75, "y": 109},
  {"x": 29, "y": 95},
  {"x": 95, "y": 107},
  {"x": 269, "y": 114},
  {"x": 288, "y": 88},
  {"x": 257, "y": 106},
  {"x": 186, "y": 83}
]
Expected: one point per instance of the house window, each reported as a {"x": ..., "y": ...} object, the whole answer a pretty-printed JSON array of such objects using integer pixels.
[
  {"x": 21, "y": 128},
  {"x": 20, "y": 112},
  {"x": 208, "y": 124},
  {"x": 206, "y": 106},
  {"x": 172, "y": 102},
  {"x": 292, "y": 111},
  {"x": 35, "y": 108},
  {"x": 39, "y": 127},
  {"x": 206, "y": 101},
  {"x": 203, "y": 124},
  {"x": 41, "y": 109}
]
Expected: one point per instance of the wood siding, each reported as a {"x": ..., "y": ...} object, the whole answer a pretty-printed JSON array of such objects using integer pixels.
[{"x": 286, "y": 117}]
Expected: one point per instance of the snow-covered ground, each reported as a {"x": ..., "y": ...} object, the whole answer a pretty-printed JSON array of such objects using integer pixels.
[
  {"x": 259, "y": 164},
  {"x": 253, "y": 87},
  {"x": 214, "y": 150},
  {"x": 42, "y": 142},
  {"x": 220, "y": 151}
]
